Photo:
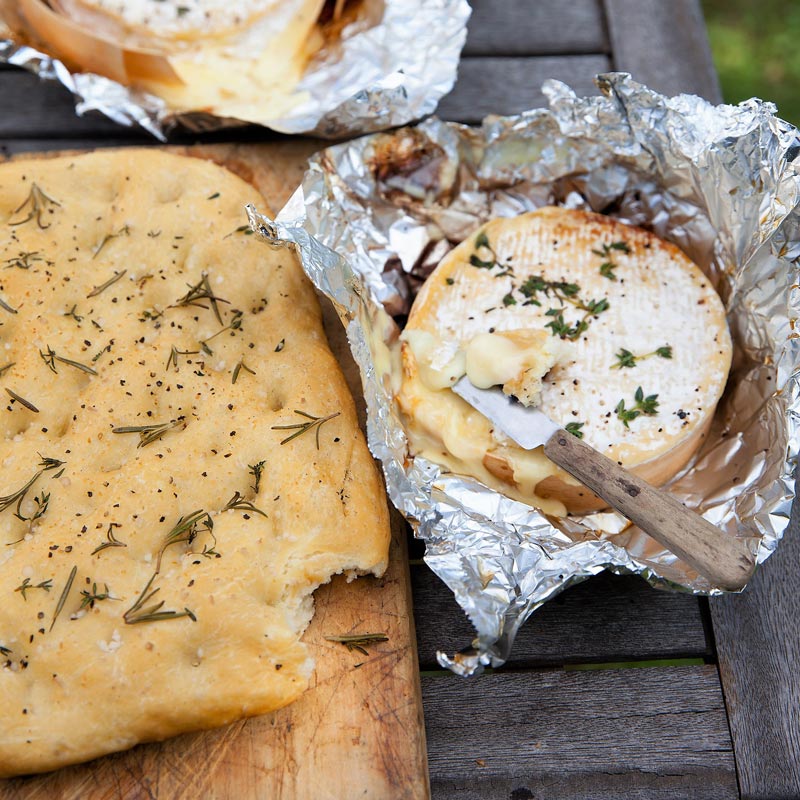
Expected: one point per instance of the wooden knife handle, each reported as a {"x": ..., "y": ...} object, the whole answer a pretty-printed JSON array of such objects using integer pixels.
[{"x": 723, "y": 559}]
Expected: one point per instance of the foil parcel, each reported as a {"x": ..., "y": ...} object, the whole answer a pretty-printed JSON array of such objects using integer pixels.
[
  {"x": 374, "y": 216},
  {"x": 390, "y": 66}
]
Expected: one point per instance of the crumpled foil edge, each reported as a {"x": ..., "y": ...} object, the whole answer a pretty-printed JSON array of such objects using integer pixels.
[
  {"x": 385, "y": 75},
  {"x": 503, "y": 559}
]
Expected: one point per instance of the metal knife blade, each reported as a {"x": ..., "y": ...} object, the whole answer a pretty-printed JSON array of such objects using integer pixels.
[{"x": 528, "y": 427}]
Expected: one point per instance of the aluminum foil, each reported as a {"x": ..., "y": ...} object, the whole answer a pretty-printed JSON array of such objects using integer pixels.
[
  {"x": 375, "y": 215},
  {"x": 379, "y": 76}
]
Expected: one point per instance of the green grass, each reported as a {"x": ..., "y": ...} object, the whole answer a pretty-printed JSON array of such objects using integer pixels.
[{"x": 756, "y": 48}]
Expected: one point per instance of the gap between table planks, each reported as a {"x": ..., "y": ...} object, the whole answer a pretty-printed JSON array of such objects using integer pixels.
[{"x": 358, "y": 730}]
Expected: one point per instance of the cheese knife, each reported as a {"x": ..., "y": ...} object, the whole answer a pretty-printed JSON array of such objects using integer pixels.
[{"x": 724, "y": 560}]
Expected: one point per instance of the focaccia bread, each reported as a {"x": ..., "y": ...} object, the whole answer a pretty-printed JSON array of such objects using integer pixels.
[
  {"x": 163, "y": 520},
  {"x": 239, "y": 60},
  {"x": 612, "y": 332}
]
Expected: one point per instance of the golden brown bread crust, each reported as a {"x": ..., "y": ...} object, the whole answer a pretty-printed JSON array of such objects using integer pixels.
[{"x": 101, "y": 253}]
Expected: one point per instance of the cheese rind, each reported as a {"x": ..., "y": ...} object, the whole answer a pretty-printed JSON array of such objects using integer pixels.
[
  {"x": 100, "y": 257},
  {"x": 550, "y": 271}
]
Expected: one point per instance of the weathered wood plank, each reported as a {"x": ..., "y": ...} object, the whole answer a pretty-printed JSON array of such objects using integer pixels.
[
  {"x": 635, "y": 733},
  {"x": 511, "y": 28},
  {"x": 663, "y": 45},
  {"x": 490, "y": 85},
  {"x": 758, "y": 641},
  {"x": 605, "y": 619}
]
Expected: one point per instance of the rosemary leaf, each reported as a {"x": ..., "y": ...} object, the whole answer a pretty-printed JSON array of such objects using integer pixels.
[
  {"x": 103, "y": 286},
  {"x": 64, "y": 594},
  {"x": 359, "y": 641},
  {"x": 22, "y": 401}
]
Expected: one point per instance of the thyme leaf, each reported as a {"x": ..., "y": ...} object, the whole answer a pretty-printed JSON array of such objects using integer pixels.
[
  {"x": 575, "y": 429},
  {"x": 88, "y": 599}
]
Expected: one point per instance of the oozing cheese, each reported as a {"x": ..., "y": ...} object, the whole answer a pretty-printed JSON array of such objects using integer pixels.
[
  {"x": 633, "y": 318},
  {"x": 158, "y": 542}
]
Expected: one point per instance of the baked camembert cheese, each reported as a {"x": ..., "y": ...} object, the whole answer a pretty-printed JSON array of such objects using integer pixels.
[
  {"x": 180, "y": 462},
  {"x": 614, "y": 333},
  {"x": 239, "y": 60}
]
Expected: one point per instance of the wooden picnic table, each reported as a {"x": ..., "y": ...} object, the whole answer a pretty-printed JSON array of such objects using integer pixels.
[{"x": 712, "y": 710}]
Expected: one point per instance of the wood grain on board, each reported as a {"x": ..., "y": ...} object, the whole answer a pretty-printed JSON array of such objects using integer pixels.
[
  {"x": 633, "y": 734},
  {"x": 358, "y": 730}
]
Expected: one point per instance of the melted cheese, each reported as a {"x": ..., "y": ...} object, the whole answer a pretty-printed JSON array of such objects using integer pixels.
[{"x": 653, "y": 298}]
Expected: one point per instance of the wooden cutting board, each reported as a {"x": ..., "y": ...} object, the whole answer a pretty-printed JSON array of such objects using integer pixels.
[{"x": 358, "y": 730}]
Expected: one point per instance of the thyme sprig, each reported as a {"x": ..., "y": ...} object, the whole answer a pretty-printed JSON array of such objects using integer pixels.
[
  {"x": 302, "y": 427},
  {"x": 26, "y": 586},
  {"x": 575, "y": 429},
  {"x": 606, "y": 251},
  {"x": 627, "y": 359},
  {"x": 110, "y": 282},
  {"x": 64, "y": 595},
  {"x": 642, "y": 405},
  {"x": 559, "y": 327},
  {"x": 111, "y": 540},
  {"x": 201, "y": 291},
  {"x": 50, "y": 357},
  {"x": 141, "y": 612},
  {"x": 150, "y": 433},
  {"x": 89, "y": 598},
  {"x": 359, "y": 641},
  {"x": 238, "y": 503},
  {"x": 39, "y": 201},
  {"x": 482, "y": 244}
]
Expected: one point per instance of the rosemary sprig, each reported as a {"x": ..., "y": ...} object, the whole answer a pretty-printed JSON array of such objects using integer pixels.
[
  {"x": 26, "y": 586},
  {"x": 575, "y": 428},
  {"x": 24, "y": 260},
  {"x": 185, "y": 530},
  {"x": 235, "y": 325},
  {"x": 642, "y": 405},
  {"x": 50, "y": 357},
  {"x": 64, "y": 595},
  {"x": 17, "y": 497},
  {"x": 88, "y": 599},
  {"x": 41, "y": 508},
  {"x": 103, "y": 286},
  {"x": 139, "y": 613},
  {"x": 238, "y": 368},
  {"x": 72, "y": 313},
  {"x": 359, "y": 641},
  {"x": 238, "y": 503},
  {"x": 111, "y": 540},
  {"x": 627, "y": 359},
  {"x": 201, "y": 291},
  {"x": 255, "y": 471},
  {"x": 6, "y": 307},
  {"x": 22, "y": 401},
  {"x": 303, "y": 427},
  {"x": 39, "y": 201},
  {"x": 123, "y": 231},
  {"x": 174, "y": 353},
  {"x": 150, "y": 433}
]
